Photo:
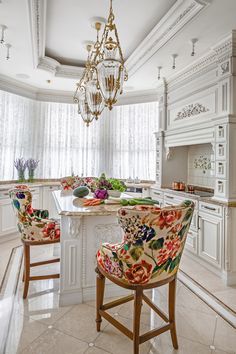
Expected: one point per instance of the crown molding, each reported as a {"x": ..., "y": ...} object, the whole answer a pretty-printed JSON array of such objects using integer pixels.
[
  {"x": 16, "y": 87},
  {"x": 176, "y": 18},
  {"x": 37, "y": 10},
  {"x": 25, "y": 90},
  {"x": 221, "y": 52}
]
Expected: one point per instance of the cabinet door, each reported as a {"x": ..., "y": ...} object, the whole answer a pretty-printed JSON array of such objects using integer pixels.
[
  {"x": 191, "y": 242},
  {"x": 48, "y": 201},
  {"x": 210, "y": 239},
  {"x": 7, "y": 217}
]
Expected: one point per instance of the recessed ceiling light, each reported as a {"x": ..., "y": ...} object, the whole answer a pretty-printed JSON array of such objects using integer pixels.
[{"x": 22, "y": 76}]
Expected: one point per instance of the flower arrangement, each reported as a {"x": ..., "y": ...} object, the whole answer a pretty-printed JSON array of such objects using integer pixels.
[
  {"x": 31, "y": 164},
  {"x": 20, "y": 165}
]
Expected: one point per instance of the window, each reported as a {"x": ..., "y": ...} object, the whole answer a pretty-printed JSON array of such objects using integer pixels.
[{"x": 121, "y": 143}]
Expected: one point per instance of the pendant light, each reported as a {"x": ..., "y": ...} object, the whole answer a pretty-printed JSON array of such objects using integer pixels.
[{"x": 111, "y": 70}]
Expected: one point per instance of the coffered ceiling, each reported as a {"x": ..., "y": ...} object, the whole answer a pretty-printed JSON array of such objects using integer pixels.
[{"x": 47, "y": 37}]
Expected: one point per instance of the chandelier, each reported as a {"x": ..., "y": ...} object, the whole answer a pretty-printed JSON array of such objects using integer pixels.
[{"x": 104, "y": 74}]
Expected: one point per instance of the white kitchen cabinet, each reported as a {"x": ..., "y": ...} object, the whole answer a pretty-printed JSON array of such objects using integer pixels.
[
  {"x": 192, "y": 242},
  {"x": 210, "y": 238},
  {"x": 48, "y": 201},
  {"x": 7, "y": 216}
]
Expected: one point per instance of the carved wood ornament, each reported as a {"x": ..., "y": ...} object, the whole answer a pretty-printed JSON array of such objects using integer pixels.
[{"x": 191, "y": 110}]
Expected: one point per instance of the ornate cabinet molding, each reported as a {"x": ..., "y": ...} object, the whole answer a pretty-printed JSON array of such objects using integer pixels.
[{"x": 191, "y": 110}]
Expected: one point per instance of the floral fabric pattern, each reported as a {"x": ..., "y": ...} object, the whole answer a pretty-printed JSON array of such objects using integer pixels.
[
  {"x": 152, "y": 244},
  {"x": 32, "y": 223}
]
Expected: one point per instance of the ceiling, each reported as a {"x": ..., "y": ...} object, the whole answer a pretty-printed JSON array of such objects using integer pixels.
[{"x": 47, "y": 42}]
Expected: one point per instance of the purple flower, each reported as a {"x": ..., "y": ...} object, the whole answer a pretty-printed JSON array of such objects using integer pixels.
[
  {"x": 32, "y": 164},
  {"x": 20, "y": 164}
]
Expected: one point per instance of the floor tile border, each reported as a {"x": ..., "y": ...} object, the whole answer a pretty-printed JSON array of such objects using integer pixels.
[{"x": 211, "y": 300}]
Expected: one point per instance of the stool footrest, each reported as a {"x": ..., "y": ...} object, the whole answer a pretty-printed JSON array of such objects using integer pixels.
[
  {"x": 155, "y": 332},
  {"x": 116, "y": 324},
  {"x": 35, "y": 264},
  {"x": 155, "y": 308},
  {"x": 118, "y": 302},
  {"x": 42, "y": 277}
]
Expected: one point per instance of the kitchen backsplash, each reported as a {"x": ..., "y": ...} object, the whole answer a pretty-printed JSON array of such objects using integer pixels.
[{"x": 200, "y": 166}]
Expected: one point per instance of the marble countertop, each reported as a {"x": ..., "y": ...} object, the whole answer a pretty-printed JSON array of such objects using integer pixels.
[
  {"x": 69, "y": 205},
  {"x": 7, "y": 185},
  {"x": 206, "y": 199}
]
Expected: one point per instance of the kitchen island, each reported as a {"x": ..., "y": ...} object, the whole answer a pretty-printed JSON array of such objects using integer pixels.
[{"x": 83, "y": 229}]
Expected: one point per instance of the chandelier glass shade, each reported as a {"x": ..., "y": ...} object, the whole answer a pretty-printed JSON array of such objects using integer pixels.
[
  {"x": 104, "y": 75},
  {"x": 94, "y": 98},
  {"x": 83, "y": 109}
]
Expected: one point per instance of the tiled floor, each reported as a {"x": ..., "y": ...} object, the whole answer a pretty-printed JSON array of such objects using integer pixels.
[
  {"x": 5, "y": 251},
  {"x": 210, "y": 281},
  {"x": 40, "y": 326}
]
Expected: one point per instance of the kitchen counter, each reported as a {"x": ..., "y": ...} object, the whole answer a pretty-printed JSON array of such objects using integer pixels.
[
  {"x": 69, "y": 205},
  {"x": 207, "y": 199},
  {"x": 6, "y": 186},
  {"x": 83, "y": 229}
]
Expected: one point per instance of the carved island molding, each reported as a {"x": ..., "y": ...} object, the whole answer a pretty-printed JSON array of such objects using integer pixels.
[{"x": 191, "y": 110}]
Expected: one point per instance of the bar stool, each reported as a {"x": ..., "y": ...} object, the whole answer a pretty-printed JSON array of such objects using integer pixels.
[
  {"x": 35, "y": 229},
  {"x": 148, "y": 257}
]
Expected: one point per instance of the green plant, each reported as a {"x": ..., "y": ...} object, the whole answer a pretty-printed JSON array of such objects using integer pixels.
[{"x": 117, "y": 185}]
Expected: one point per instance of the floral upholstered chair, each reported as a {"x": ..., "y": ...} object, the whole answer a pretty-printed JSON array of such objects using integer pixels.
[
  {"x": 148, "y": 256},
  {"x": 35, "y": 229}
]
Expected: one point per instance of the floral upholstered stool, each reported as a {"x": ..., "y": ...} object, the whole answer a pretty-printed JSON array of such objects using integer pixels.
[
  {"x": 35, "y": 229},
  {"x": 148, "y": 257}
]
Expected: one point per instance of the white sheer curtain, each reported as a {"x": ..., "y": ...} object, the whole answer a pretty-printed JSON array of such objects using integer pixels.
[
  {"x": 16, "y": 124},
  {"x": 121, "y": 143}
]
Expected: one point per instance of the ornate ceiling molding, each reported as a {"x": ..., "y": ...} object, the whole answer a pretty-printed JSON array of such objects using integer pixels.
[
  {"x": 176, "y": 18},
  {"x": 37, "y": 16},
  {"x": 218, "y": 55}
]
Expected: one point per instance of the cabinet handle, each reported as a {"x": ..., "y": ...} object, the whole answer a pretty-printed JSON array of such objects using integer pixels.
[
  {"x": 32, "y": 190},
  {"x": 209, "y": 208},
  {"x": 169, "y": 197},
  {"x": 156, "y": 193},
  {"x": 190, "y": 233},
  {"x": 199, "y": 222}
]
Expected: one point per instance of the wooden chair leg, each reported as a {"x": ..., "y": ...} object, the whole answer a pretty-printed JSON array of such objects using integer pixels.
[
  {"x": 172, "y": 297},
  {"x": 26, "y": 269},
  {"x": 100, "y": 285},
  {"x": 137, "y": 313}
]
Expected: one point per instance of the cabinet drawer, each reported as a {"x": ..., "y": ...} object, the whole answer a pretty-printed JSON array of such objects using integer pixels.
[
  {"x": 221, "y": 188},
  {"x": 221, "y": 169},
  {"x": 171, "y": 200},
  {"x": 211, "y": 209},
  {"x": 156, "y": 194},
  {"x": 191, "y": 242},
  {"x": 221, "y": 133},
  {"x": 221, "y": 151}
]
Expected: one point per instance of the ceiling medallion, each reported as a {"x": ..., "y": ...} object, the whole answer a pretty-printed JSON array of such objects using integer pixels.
[{"x": 104, "y": 75}]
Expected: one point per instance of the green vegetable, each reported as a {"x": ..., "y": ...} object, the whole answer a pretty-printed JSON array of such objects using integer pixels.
[
  {"x": 81, "y": 191},
  {"x": 117, "y": 185}
]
